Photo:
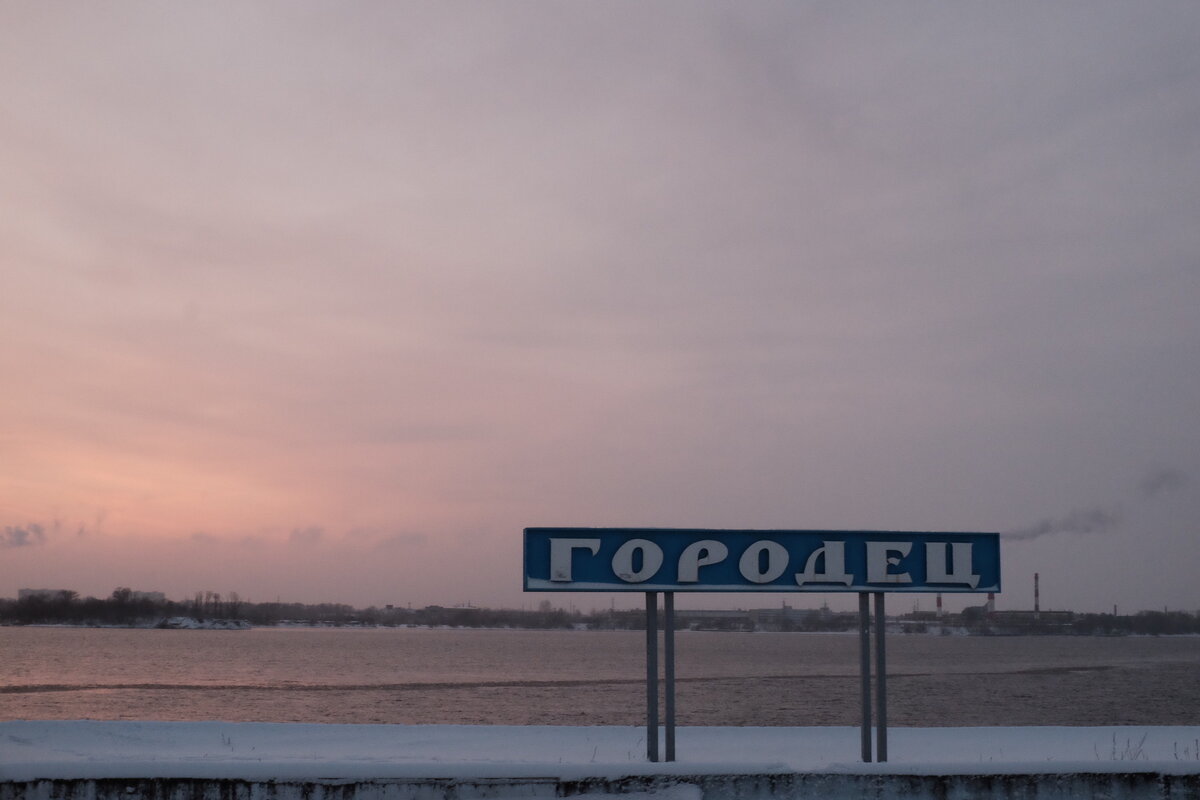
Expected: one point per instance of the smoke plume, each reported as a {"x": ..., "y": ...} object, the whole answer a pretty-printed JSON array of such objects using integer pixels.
[
  {"x": 1161, "y": 481},
  {"x": 1088, "y": 520},
  {"x": 1098, "y": 519}
]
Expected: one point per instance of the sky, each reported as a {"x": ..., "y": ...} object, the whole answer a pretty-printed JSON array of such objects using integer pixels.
[{"x": 327, "y": 301}]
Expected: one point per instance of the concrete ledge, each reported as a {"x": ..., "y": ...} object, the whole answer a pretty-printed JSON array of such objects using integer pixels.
[{"x": 788, "y": 786}]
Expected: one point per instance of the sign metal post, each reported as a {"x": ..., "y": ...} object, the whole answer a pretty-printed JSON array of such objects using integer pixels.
[
  {"x": 864, "y": 664},
  {"x": 652, "y": 676},
  {"x": 669, "y": 668},
  {"x": 880, "y": 681}
]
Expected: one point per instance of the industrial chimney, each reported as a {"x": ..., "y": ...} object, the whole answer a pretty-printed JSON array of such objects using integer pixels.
[{"x": 1037, "y": 605}]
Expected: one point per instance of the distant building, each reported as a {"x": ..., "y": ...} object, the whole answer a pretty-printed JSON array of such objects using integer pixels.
[
  {"x": 784, "y": 618},
  {"x": 1019, "y": 622},
  {"x": 154, "y": 597}
]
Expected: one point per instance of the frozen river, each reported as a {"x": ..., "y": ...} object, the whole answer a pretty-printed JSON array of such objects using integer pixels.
[{"x": 511, "y": 677}]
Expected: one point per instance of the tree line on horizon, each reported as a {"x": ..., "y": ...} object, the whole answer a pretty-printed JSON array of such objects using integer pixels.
[{"x": 126, "y": 608}]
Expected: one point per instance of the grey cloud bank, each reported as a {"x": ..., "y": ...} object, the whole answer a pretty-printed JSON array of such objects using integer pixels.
[{"x": 22, "y": 536}]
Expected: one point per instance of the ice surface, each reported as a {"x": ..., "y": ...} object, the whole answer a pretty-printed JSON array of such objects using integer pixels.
[{"x": 32, "y": 750}]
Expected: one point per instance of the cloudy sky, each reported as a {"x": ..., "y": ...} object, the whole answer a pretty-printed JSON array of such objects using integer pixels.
[{"x": 327, "y": 301}]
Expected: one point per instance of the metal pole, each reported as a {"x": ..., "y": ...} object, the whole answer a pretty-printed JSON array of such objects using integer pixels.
[
  {"x": 669, "y": 667},
  {"x": 652, "y": 676},
  {"x": 880, "y": 681},
  {"x": 864, "y": 646}
]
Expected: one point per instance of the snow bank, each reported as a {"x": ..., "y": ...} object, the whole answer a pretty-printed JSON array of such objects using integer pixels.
[
  {"x": 37, "y": 750},
  {"x": 193, "y": 624}
]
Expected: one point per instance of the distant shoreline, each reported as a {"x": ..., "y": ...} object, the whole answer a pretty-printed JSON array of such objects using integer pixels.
[
  {"x": 126, "y": 608},
  {"x": 202, "y": 624}
]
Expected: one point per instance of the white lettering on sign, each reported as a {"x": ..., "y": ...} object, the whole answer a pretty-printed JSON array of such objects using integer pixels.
[
  {"x": 697, "y": 555},
  {"x": 651, "y": 555},
  {"x": 763, "y": 562},
  {"x": 880, "y": 561},
  {"x": 960, "y": 564},
  {"x": 834, "y": 568},
  {"x": 560, "y": 555},
  {"x": 752, "y": 564}
]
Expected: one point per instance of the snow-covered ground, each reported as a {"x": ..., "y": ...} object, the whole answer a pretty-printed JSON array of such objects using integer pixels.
[
  {"x": 31, "y": 750},
  {"x": 193, "y": 624}
]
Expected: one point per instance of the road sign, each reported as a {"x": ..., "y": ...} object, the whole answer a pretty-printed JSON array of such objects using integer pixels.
[{"x": 706, "y": 560}]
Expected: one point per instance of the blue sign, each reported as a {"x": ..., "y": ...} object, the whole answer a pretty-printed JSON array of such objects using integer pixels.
[{"x": 698, "y": 560}]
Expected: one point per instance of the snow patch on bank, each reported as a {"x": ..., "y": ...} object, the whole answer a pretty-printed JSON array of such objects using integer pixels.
[{"x": 194, "y": 624}]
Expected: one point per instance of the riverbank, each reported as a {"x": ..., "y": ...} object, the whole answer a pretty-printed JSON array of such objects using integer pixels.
[{"x": 99, "y": 750}]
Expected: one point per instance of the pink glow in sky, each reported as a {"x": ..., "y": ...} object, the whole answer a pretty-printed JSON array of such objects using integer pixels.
[{"x": 328, "y": 301}]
